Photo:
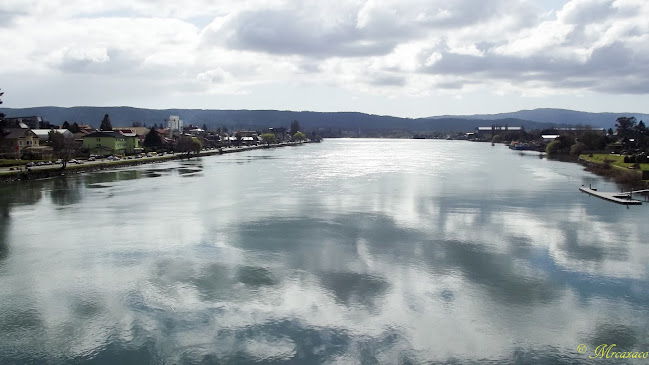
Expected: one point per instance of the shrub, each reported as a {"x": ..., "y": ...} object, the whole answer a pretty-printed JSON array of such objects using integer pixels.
[{"x": 577, "y": 148}]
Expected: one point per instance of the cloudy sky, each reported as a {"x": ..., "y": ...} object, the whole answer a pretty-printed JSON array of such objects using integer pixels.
[{"x": 408, "y": 58}]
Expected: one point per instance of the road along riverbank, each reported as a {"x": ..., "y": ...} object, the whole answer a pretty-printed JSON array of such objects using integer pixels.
[{"x": 44, "y": 172}]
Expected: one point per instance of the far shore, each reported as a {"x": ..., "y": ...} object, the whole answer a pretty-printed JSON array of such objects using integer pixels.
[{"x": 44, "y": 172}]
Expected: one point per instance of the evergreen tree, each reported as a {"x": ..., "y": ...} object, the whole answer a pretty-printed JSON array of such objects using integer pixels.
[
  {"x": 66, "y": 125},
  {"x": 205, "y": 127},
  {"x": 74, "y": 128},
  {"x": 2, "y": 118},
  {"x": 152, "y": 139},
  {"x": 295, "y": 127},
  {"x": 105, "y": 124}
]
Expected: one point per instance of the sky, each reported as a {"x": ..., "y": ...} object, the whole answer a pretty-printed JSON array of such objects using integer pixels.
[{"x": 407, "y": 58}]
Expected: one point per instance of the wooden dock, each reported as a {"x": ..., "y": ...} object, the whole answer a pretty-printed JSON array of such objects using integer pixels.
[{"x": 620, "y": 198}]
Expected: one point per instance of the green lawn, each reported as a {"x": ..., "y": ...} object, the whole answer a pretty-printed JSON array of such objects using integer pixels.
[{"x": 616, "y": 160}]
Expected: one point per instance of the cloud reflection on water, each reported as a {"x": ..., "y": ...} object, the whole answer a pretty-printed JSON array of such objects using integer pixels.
[{"x": 405, "y": 266}]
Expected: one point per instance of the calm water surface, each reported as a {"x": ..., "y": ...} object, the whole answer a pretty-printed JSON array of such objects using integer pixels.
[{"x": 349, "y": 251}]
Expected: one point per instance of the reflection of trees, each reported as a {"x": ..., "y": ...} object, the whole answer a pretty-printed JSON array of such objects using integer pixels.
[
  {"x": 4, "y": 227},
  {"x": 23, "y": 193},
  {"x": 5, "y": 208},
  {"x": 190, "y": 167},
  {"x": 65, "y": 191},
  {"x": 4, "y": 224},
  {"x": 111, "y": 176}
]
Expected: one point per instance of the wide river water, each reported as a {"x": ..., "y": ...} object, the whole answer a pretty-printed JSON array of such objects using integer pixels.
[{"x": 348, "y": 251}]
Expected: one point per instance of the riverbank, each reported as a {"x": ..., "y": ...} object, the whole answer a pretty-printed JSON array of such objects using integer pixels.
[
  {"x": 45, "y": 172},
  {"x": 611, "y": 167}
]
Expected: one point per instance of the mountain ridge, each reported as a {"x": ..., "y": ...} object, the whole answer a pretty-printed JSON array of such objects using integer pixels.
[
  {"x": 254, "y": 119},
  {"x": 559, "y": 116}
]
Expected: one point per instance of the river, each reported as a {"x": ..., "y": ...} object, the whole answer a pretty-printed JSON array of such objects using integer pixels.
[{"x": 348, "y": 251}]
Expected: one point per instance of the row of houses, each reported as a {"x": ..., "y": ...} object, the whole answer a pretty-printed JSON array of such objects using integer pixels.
[
  {"x": 19, "y": 142},
  {"x": 487, "y": 133},
  {"x": 24, "y": 137}
]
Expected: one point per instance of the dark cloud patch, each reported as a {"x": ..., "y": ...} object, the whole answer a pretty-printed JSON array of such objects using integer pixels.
[
  {"x": 309, "y": 67},
  {"x": 7, "y": 18},
  {"x": 450, "y": 85},
  {"x": 113, "y": 61},
  {"x": 613, "y": 67},
  {"x": 284, "y": 32},
  {"x": 387, "y": 79},
  {"x": 368, "y": 31}
]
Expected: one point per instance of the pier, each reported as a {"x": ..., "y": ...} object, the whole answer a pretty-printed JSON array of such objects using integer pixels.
[{"x": 620, "y": 198}]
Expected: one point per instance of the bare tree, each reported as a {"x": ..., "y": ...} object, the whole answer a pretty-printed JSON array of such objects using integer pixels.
[{"x": 64, "y": 148}]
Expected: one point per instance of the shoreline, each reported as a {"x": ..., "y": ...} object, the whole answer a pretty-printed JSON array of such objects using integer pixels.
[
  {"x": 48, "y": 172},
  {"x": 627, "y": 178}
]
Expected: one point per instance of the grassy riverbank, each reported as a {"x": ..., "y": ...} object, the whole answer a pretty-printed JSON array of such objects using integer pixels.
[
  {"x": 613, "y": 167},
  {"x": 613, "y": 160}
]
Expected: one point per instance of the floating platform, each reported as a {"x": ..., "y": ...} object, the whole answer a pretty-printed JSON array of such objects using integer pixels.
[{"x": 620, "y": 198}]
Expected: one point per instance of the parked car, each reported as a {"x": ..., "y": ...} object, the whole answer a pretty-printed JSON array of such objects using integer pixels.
[
  {"x": 40, "y": 163},
  {"x": 30, "y": 164},
  {"x": 59, "y": 161},
  {"x": 91, "y": 158}
]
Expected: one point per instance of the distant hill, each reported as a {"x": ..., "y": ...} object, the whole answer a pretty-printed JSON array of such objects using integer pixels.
[
  {"x": 257, "y": 119},
  {"x": 559, "y": 116}
]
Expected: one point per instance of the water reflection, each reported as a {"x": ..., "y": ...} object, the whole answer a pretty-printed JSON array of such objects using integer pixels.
[
  {"x": 65, "y": 191},
  {"x": 354, "y": 252}
]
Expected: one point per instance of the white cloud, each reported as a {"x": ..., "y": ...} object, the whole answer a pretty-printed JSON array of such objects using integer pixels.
[{"x": 392, "y": 48}]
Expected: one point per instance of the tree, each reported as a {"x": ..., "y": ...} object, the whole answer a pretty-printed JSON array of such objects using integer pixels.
[
  {"x": 593, "y": 140},
  {"x": 188, "y": 145},
  {"x": 577, "y": 148},
  {"x": 625, "y": 127},
  {"x": 560, "y": 145},
  {"x": 204, "y": 127},
  {"x": 74, "y": 128},
  {"x": 64, "y": 148},
  {"x": 66, "y": 125},
  {"x": 105, "y": 124},
  {"x": 295, "y": 127},
  {"x": 268, "y": 138},
  {"x": 299, "y": 136},
  {"x": 152, "y": 140},
  {"x": 2, "y": 117},
  {"x": 197, "y": 145}
]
